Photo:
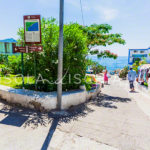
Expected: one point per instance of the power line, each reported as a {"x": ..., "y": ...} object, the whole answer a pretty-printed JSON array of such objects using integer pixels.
[{"x": 82, "y": 12}]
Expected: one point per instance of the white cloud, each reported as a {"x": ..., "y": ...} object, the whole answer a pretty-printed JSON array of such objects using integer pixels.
[
  {"x": 86, "y": 8},
  {"x": 107, "y": 14},
  {"x": 45, "y": 1},
  {"x": 75, "y": 3}
]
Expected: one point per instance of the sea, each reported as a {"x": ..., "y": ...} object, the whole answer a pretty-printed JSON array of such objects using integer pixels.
[{"x": 110, "y": 63}]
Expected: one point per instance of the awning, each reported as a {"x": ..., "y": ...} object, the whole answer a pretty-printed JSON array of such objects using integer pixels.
[{"x": 139, "y": 55}]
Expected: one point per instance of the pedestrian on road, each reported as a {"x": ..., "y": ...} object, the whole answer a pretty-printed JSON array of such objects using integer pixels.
[
  {"x": 131, "y": 78},
  {"x": 105, "y": 76}
]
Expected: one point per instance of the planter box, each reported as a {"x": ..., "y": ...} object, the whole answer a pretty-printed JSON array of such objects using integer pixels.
[{"x": 45, "y": 101}]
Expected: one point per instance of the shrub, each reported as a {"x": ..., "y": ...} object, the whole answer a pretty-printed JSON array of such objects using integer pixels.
[
  {"x": 123, "y": 73},
  {"x": 138, "y": 63},
  {"x": 5, "y": 71},
  {"x": 97, "y": 68},
  {"x": 3, "y": 59},
  {"x": 88, "y": 82},
  {"x": 15, "y": 65},
  {"x": 146, "y": 84},
  {"x": 74, "y": 58}
]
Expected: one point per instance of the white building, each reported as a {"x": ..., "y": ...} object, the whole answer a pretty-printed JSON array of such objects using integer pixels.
[{"x": 135, "y": 54}]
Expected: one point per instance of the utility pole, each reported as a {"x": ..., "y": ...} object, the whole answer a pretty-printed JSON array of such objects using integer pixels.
[{"x": 60, "y": 55}]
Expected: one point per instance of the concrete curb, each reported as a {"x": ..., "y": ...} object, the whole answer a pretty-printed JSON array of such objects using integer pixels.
[{"x": 46, "y": 101}]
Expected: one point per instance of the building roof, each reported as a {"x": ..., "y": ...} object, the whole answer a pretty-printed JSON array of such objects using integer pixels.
[
  {"x": 11, "y": 40},
  {"x": 138, "y": 49}
]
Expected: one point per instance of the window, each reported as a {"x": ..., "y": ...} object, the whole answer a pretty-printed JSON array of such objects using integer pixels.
[
  {"x": 6, "y": 47},
  {"x": 141, "y": 52},
  {"x": 135, "y": 51},
  {"x": 13, "y": 45}
]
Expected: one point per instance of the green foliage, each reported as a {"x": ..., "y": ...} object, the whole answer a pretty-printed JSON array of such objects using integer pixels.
[
  {"x": 97, "y": 68},
  {"x": 89, "y": 62},
  {"x": 4, "y": 71},
  {"x": 78, "y": 43},
  {"x": 15, "y": 82},
  {"x": 75, "y": 52},
  {"x": 146, "y": 84},
  {"x": 15, "y": 65},
  {"x": 88, "y": 82},
  {"x": 143, "y": 61},
  {"x": 2, "y": 66},
  {"x": 99, "y": 35},
  {"x": 107, "y": 54},
  {"x": 123, "y": 73},
  {"x": 3, "y": 58},
  {"x": 138, "y": 63}
]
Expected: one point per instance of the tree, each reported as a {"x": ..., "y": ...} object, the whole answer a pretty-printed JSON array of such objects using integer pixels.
[{"x": 99, "y": 35}]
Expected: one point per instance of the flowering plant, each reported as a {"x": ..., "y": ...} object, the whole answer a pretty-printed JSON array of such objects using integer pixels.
[{"x": 107, "y": 54}]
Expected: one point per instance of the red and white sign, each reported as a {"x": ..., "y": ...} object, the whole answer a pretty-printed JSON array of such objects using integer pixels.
[
  {"x": 35, "y": 48},
  {"x": 27, "y": 49},
  {"x": 32, "y": 29},
  {"x": 17, "y": 49}
]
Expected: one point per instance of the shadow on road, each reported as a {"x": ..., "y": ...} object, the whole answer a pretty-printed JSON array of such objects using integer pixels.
[
  {"x": 19, "y": 116},
  {"x": 108, "y": 101},
  {"x": 50, "y": 134}
]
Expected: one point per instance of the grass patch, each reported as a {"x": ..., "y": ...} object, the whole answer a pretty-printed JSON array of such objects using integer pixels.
[{"x": 15, "y": 82}]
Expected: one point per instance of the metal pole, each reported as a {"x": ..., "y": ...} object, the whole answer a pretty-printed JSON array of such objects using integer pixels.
[
  {"x": 35, "y": 69},
  {"x": 22, "y": 70},
  {"x": 60, "y": 55}
]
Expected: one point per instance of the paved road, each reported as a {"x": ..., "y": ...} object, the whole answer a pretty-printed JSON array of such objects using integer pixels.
[{"x": 116, "y": 119}]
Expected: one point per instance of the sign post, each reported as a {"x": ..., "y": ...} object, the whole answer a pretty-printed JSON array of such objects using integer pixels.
[
  {"x": 35, "y": 69},
  {"x": 32, "y": 35},
  {"x": 32, "y": 30},
  {"x": 22, "y": 62},
  {"x": 60, "y": 55}
]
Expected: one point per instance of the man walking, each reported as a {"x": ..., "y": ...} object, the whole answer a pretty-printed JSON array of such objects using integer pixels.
[{"x": 131, "y": 78}]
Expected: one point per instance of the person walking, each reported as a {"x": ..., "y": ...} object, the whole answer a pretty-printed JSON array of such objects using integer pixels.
[
  {"x": 105, "y": 76},
  {"x": 131, "y": 78}
]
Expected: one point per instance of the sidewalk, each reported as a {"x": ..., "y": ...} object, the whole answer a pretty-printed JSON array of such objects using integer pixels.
[
  {"x": 142, "y": 99},
  {"x": 114, "y": 120}
]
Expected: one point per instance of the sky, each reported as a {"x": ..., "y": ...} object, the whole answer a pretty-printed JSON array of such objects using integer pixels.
[{"x": 128, "y": 17}]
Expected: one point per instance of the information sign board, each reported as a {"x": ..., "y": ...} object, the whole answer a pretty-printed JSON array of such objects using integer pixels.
[{"x": 32, "y": 29}]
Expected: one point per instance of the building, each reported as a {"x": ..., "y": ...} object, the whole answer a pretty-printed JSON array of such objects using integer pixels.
[
  {"x": 136, "y": 54},
  {"x": 6, "y": 46}
]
